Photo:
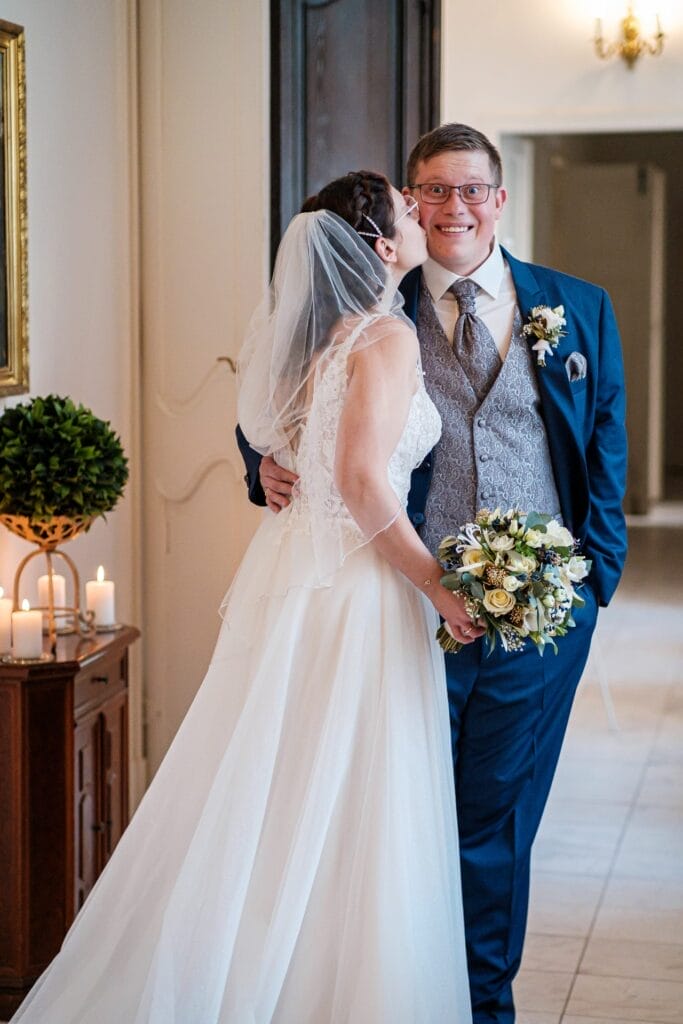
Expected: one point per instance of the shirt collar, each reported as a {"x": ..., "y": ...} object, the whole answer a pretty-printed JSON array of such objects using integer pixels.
[{"x": 489, "y": 276}]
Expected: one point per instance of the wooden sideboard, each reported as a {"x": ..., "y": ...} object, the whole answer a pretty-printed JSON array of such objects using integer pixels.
[{"x": 63, "y": 795}]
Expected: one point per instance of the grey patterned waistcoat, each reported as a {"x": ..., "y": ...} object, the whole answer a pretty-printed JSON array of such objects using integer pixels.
[{"x": 490, "y": 454}]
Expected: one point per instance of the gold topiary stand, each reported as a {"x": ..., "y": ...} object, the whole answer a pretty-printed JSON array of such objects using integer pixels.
[{"x": 48, "y": 534}]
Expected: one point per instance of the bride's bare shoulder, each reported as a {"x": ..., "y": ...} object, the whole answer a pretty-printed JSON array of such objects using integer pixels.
[{"x": 380, "y": 333}]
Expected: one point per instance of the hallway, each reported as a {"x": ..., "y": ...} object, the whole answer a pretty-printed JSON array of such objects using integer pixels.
[{"x": 605, "y": 935}]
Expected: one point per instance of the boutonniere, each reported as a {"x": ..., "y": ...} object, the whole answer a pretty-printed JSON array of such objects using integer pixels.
[{"x": 545, "y": 324}]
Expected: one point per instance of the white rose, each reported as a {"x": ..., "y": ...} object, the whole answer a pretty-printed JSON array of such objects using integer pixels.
[
  {"x": 553, "y": 317},
  {"x": 558, "y": 536},
  {"x": 521, "y": 563},
  {"x": 534, "y": 538},
  {"x": 576, "y": 568},
  {"x": 502, "y": 543},
  {"x": 511, "y": 583},
  {"x": 498, "y": 601}
]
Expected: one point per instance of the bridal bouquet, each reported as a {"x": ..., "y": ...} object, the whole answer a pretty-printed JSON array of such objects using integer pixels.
[{"x": 518, "y": 573}]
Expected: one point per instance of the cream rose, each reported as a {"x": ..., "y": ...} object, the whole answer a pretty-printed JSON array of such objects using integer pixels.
[
  {"x": 474, "y": 561},
  {"x": 502, "y": 543},
  {"x": 534, "y": 538},
  {"x": 499, "y": 601},
  {"x": 521, "y": 563}
]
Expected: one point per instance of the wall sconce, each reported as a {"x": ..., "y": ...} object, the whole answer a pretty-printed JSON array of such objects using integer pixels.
[{"x": 631, "y": 44}]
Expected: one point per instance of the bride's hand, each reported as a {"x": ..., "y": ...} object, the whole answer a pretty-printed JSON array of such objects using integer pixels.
[
  {"x": 277, "y": 483},
  {"x": 451, "y": 607}
]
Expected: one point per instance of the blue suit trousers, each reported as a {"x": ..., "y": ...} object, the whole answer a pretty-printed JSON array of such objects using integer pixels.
[{"x": 509, "y": 713}]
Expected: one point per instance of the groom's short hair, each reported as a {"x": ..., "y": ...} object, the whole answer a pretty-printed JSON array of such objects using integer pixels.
[{"x": 450, "y": 137}]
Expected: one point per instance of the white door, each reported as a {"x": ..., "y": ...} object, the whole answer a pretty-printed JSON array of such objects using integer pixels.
[{"x": 607, "y": 226}]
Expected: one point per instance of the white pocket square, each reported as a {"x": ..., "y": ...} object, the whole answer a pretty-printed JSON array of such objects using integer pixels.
[{"x": 576, "y": 366}]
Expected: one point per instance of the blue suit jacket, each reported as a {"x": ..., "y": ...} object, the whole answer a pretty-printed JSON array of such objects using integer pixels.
[{"x": 584, "y": 419}]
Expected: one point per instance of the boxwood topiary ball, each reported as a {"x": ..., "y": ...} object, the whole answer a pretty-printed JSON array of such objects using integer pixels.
[{"x": 58, "y": 459}]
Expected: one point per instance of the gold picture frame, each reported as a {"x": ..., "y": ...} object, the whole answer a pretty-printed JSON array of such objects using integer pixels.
[{"x": 13, "y": 238}]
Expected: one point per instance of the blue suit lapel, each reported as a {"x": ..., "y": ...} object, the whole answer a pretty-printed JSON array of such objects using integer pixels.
[
  {"x": 410, "y": 290},
  {"x": 564, "y": 437}
]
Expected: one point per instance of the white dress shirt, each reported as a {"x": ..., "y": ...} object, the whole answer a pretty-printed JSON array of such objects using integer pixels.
[{"x": 496, "y": 301}]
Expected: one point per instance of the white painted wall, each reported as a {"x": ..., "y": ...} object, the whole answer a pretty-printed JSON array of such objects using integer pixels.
[
  {"x": 81, "y": 249},
  {"x": 531, "y": 67},
  {"x": 205, "y": 222},
  {"x": 79, "y": 236}
]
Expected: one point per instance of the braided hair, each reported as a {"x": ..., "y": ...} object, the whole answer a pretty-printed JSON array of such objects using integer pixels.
[{"x": 361, "y": 198}]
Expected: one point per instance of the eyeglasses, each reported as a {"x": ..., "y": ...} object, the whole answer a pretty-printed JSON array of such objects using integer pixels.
[
  {"x": 436, "y": 192},
  {"x": 411, "y": 210}
]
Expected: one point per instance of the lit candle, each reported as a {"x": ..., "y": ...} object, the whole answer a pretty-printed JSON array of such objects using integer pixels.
[
  {"x": 99, "y": 598},
  {"x": 58, "y": 591},
  {"x": 5, "y": 623},
  {"x": 27, "y": 632}
]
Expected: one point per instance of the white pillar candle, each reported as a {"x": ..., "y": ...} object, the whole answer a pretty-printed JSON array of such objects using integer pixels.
[
  {"x": 27, "y": 633},
  {"x": 99, "y": 598},
  {"x": 58, "y": 591},
  {"x": 5, "y": 623}
]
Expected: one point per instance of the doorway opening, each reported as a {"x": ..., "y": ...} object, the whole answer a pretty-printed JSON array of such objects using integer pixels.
[{"x": 608, "y": 208}]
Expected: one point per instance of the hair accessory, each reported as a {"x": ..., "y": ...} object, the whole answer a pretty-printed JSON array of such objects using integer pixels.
[{"x": 371, "y": 234}]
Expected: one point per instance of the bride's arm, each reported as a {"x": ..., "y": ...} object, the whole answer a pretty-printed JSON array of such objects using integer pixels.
[{"x": 381, "y": 383}]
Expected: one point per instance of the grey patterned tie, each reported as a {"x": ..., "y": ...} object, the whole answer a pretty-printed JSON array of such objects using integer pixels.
[{"x": 472, "y": 342}]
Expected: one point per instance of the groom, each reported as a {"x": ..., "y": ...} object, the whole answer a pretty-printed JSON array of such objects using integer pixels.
[{"x": 548, "y": 438}]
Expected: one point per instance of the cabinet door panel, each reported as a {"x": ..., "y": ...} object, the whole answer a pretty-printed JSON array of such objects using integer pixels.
[
  {"x": 88, "y": 805},
  {"x": 115, "y": 773}
]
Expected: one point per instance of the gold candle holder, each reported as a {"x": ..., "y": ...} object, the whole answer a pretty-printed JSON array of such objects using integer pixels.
[{"x": 48, "y": 535}]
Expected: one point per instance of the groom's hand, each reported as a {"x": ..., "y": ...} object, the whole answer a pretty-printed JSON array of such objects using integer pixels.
[{"x": 277, "y": 483}]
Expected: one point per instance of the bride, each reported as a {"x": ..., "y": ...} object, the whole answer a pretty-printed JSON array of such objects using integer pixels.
[{"x": 295, "y": 859}]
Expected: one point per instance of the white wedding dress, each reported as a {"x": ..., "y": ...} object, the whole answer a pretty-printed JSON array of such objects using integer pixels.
[{"x": 295, "y": 859}]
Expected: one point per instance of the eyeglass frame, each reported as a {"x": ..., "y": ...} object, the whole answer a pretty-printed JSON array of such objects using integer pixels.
[
  {"x": 408, "y": 211},
  {"x": 455, "y": 188},
  {"x": 377, "y": 233}
]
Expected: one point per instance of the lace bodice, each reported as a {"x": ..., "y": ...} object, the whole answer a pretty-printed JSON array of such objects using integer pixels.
[
  {"x": 420, "y": 434},
  {"x": 318, "y": 506}
]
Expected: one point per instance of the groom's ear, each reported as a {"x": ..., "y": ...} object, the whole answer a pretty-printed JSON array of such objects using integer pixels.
[{"x": 387, "y": 249}]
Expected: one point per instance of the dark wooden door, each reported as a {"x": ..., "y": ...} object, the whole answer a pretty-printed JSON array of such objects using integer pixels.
[{"x": 354, "y": 84}]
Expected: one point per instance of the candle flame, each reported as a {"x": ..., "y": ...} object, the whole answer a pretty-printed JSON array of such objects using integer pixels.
[
  {"x": 100, "y": 574},
  {"x": 25, "y": 606}
]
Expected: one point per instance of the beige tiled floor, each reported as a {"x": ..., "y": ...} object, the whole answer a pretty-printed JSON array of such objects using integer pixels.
[{"x": 605, "y": 940}]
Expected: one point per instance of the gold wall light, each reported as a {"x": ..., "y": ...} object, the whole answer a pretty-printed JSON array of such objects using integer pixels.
[{"x": 632, "y": 44}]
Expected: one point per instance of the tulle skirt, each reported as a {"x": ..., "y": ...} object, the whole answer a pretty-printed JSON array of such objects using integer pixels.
[{"x": 295, "y": 859}]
